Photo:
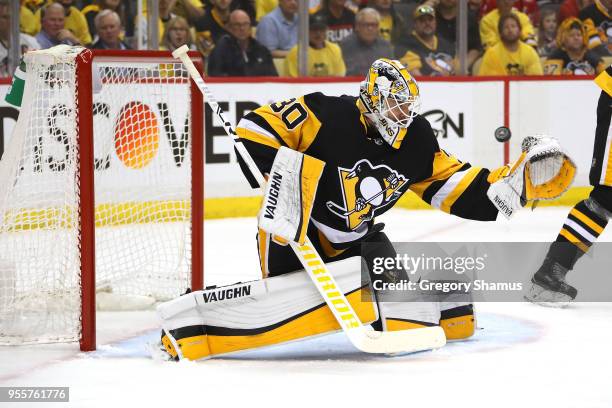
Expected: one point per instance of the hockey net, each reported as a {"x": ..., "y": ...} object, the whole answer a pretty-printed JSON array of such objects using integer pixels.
[{"x": 128, "y": 124}]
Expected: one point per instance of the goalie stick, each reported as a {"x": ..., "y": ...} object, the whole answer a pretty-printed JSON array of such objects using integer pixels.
[{"x": 403, "y": 341}]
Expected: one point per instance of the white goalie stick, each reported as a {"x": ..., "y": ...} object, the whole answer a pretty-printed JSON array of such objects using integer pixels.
[{"x": 403, "y": 341}]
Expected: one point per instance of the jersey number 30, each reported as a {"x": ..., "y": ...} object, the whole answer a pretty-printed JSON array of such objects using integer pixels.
[{"x": 292, "y": 112}]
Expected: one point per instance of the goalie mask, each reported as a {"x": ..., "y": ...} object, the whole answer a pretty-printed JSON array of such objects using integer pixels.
[{"x": 389, "y": 97}]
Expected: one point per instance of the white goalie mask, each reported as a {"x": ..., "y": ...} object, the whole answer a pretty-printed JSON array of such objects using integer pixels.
[{"x": 389, "y": 97}]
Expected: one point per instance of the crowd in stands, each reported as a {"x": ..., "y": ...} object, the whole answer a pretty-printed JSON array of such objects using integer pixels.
[{"x": 259, "y": 37}]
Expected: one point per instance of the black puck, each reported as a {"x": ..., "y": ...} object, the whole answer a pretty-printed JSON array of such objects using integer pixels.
[{"x": 502, "y": 134}]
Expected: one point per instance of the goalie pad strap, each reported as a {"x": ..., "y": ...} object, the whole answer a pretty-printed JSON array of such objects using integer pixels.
[{"x": 289, "y": 195}]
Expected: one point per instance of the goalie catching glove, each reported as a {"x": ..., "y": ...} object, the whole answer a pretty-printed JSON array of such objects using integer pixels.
[
  {"x": 542, "y": 172},
  {"x": 289, "y": 195}
]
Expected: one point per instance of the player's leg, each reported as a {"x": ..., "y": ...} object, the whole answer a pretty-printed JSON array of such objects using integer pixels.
[
  {"x": 585, "y": 222},
  {"x": 583, "y": 225},
  {"x": 412, "y": 310},
  {"x": 283, "y": 306}
]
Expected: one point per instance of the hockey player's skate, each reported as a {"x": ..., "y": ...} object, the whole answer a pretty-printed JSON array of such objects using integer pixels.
[{"x": 549, "y": 287}]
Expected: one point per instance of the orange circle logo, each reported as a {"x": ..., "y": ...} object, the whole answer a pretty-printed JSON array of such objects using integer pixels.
[{"x": 136, "y": 135}]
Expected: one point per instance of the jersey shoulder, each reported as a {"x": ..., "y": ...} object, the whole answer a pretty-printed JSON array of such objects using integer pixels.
[
  {"x": 332, "y": 107},
  {"x": 296, "y": 122},
  {"x": 420, "y": 135}
]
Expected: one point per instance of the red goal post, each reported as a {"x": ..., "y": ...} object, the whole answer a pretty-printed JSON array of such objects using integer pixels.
[{"x": 101, "y": 191}]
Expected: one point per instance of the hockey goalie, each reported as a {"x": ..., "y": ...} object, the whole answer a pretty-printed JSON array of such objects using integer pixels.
[{"x": 333, "y": 164}]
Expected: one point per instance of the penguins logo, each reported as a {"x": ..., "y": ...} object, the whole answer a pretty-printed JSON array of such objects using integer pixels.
[
  {"x": 441, "y": 63},
  {"x": 579, "y": 68},
  {"x": 366, "y": 190}
]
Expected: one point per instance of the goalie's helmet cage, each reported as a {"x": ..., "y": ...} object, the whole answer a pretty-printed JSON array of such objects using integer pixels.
[
  {"x": 101, "y": 190},
  {"x": 391, "y": 100}
]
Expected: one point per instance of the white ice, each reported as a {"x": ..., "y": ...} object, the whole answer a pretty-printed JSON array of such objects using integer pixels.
[{"x": 523, "y": 355}]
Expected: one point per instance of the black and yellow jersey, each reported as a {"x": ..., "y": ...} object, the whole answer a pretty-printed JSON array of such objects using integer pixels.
[
  {"x": 363, "y": 176},
  {"x": 415, "y": 54},
  {"x": 598, "y": 24},
  {"x": 604, "y": 80},
  {"x": 560, "y": 63}
]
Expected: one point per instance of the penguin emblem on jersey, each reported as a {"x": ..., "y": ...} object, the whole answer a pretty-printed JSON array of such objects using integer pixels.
[{"x": 366, "y": 189}]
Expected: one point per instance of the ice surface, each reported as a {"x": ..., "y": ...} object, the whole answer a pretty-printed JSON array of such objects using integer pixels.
[{"x": 522, "y": 356}]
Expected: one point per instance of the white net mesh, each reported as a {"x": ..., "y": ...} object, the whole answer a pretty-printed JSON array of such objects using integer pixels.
[{"x": 142, "y": 193}]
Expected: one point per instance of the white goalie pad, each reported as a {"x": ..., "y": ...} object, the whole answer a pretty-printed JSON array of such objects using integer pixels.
[
  {"x": 257, "y": 305},
  {"x": 544, "y": 171},
  {"x": 289, "y": 195}
]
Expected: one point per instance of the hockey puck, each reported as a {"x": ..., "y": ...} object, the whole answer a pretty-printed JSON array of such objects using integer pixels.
[{"x": 502, "y": 134}]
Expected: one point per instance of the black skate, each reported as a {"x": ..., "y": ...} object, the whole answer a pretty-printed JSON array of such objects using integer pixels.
[{"x": 549, "y": 287}]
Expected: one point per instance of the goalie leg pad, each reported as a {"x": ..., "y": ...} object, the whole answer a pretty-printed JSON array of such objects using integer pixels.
[
  {"x": 458, "y": 320},
  {"x": 408, "y": 315},
  {"x": 250, "y": 315}
]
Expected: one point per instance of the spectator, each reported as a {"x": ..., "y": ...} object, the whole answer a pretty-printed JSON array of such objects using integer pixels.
[
  {"x": 211, "y": 27},
  {"x": 53, "y": 30},
  {"x": 165, "y": 13},
  {"x": 489, "y": 35},
  {"x": 423, "y": 52},
  {"x": 571, "y": 8},
  {"x": 529, "y": 7},
  {"x": 191, "y": 10},
  {"x": 573, "y": 56},
  {"x": 278, "y": 30},
  {"x": 366, "y": 44},
  {"x": 91, "y": 11},
  {"x": 176, "y": 34},
  {"x": 392, "y": 25},
  {"x": 248, "y": 6},
  {"x": 547, "y": 32},
  {"x": 74, "y": 21},
  {"x": 598, "y": 21},
  {"x": 238, "y": 54},
  {"x": 510, "y": 56},
  {"x": 474, "y": 6},
  {"x": 27, "y": 21},
  {"x": 339, "y": 19},
  {"x": 263, "y": 8},
  {"x": 324, "y": 57},
  {"x": 446, "y": 28},
  {"x": 108, "y": 27},
  {"x": 27, "y": 42}
]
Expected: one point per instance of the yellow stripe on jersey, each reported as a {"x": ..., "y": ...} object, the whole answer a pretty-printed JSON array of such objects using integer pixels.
[
  {"x": 608, "y": 178},
  {"x": 456, "y": 192},
  {"x": 293, "y": 121},
  {"x": 257, "y": 137},
  {"x": 444, "y": 166},
  {"x": 327, "y": 247},
  {"x": 587, "y": 221},
  {"x": 604, "y": 80},
  {"x": 573, "y": 239}
]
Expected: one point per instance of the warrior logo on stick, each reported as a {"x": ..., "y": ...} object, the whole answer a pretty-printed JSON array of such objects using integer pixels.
[{"x": 367, "y": 189}]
